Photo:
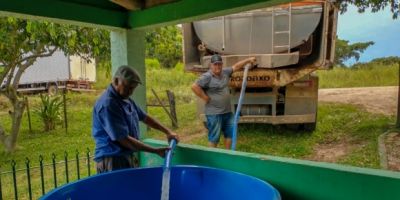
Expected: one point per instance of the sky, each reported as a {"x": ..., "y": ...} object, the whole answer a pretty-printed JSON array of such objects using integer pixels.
[{"x": 378, "y": 27}]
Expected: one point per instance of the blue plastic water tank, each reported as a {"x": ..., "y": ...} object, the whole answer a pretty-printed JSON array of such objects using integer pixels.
[{"x": 186, "y": 182}]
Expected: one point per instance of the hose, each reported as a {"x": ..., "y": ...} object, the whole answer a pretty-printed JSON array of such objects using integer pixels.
[
  {"x": 168, "y": 157},
  {"x": 239, "y": 107}
]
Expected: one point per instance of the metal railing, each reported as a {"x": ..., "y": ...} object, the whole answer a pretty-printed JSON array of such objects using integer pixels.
[{"x": 31, "y": 182}]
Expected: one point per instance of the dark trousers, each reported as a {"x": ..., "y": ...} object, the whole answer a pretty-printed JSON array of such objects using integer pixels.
[{"x": 113, "y": 163}]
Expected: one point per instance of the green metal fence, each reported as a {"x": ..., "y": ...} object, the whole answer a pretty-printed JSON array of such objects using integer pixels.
[{"x": 30, "y": 180}]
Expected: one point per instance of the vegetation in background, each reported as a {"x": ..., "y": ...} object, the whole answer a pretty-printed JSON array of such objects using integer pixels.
[
  {"x": 174, "y": 79},
  {"x": 385, "y": 61},
  {"x": 50, "y": 111},
  {"x": 165, "y": 45},
  {"x": 366, "y": 76},
  {"x": 22, "y": 42},
  {"x": 345, "y": 51},
  {"x": 375, "y": 5}
]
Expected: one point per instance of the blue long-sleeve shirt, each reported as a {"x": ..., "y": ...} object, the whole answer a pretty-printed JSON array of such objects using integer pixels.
[{"x": 114, "y": 118}]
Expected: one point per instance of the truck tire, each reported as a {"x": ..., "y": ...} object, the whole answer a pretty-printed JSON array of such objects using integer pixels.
[
  {"x": 309, "y": 127},
  {"x": 52, "y": 89}
]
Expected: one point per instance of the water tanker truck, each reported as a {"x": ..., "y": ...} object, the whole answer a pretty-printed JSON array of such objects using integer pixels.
[{"x": 290, "y": 42}]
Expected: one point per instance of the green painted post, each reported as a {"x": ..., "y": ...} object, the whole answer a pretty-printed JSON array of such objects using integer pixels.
[
  {"x": 1, "y": 191},
  {"x": 128, "y": 48},
  {"x": 398, "y": 101}
]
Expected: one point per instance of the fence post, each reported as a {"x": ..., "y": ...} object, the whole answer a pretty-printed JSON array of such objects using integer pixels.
[
  {"x": 29, "y": 114},
  {"x": 28, "y": 174},
  {"x": 13, "y": 163},
  {"x": 53, "y": 157},
  {"x": 77, "y": 164},
  {"x": 41, "y": 173},
  {"x": 163, "y": 106},
  {"x": 88, "y": 160},
  {"x": 171, "y": 99},
  {"x": 65, "y": 112},
  {"x": 66, "y": 166}
]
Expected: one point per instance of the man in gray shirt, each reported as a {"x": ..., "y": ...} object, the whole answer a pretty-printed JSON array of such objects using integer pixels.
[{"x": 213, "y": 88}]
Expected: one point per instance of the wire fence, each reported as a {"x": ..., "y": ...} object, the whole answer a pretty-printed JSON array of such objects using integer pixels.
[{"x": 28, "y": 181}]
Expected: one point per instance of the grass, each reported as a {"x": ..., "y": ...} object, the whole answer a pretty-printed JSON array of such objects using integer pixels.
[
  {"x": 336, "y": 123},
  {"x": 376, "y": 75}
]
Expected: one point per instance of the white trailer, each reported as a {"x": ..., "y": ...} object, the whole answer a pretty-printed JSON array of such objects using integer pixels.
[{"x": 58, "y": 72}]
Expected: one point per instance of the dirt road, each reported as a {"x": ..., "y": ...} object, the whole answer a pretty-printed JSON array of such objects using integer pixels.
[{"x": 374, "y": 99}]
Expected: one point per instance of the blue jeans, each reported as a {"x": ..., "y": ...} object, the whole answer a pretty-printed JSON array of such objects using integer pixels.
[{"x": 217, "y": 124}]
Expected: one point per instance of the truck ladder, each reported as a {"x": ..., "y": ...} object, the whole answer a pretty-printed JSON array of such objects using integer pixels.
[{"x": 287, "y": 13}]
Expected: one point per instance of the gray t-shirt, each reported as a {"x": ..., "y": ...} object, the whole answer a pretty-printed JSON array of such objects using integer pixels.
[{"x": 218, "y": 91}]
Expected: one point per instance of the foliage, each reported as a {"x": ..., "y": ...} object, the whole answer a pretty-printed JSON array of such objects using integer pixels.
[
  {"x": 375, "y": 5},
  {"x": 165, "y": 44},
  {"x": 152, "y": 63},
  {"x": 386, "y": 61},
  {"x": 345, "y": 51},
  {"x": 22, "y": 42},
  {"x": 367, "y": 75},
  {"x": 50, "y": 111},
  {"x": 176, "y": 80}
]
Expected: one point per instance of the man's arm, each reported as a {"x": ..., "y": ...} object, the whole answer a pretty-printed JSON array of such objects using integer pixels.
[
  {"x": 153, "y": 123},
  {"x": 239, "y": 65},
  {"x": 134, "y": 144},
  {"x": 200, "y": 92}
]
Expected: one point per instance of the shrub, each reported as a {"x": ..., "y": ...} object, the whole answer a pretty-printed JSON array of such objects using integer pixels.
[{"x": 50, "y": 111}]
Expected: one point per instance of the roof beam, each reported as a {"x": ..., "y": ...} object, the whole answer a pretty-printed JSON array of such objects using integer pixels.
[
  {"x": 191, "y": 10},
  {"x": 63, "y": 10}
]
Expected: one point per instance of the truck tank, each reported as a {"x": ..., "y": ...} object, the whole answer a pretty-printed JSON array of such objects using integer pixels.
[{"x": 289, "y": 41}]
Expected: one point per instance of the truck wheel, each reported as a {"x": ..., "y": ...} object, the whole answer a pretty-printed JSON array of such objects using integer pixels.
[
  {"x": 293, "y": 127},
  {"x": 52, "y": 89},
  {"x": 310, "y": 126}
]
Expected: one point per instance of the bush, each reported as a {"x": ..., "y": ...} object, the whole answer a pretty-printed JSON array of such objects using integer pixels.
[
  {"x": 152, "y": 63},
  {"x": 50, "y": 111}
]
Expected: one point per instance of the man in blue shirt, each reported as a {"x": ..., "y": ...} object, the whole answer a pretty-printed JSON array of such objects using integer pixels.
[{"x": 116, "y": 124}]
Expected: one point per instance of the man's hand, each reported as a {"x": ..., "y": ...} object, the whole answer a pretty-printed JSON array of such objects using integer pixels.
[
  {"x": 241, "y": 64},
  {"x": 206, "y": 99},
  {"x": 200, "y": 93},
  {"x": 161, "y": 151},
  {"x": 252, "y": 61},
  {"x": 172, "y": 135}
]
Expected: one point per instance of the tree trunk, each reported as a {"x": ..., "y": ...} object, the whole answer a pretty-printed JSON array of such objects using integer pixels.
[{"x": 10, "y": 140}]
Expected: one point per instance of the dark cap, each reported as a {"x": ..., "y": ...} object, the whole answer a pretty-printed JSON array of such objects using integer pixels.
[
  {"x": 216, "y": 58},
  {"x": 127, "y": 73}
]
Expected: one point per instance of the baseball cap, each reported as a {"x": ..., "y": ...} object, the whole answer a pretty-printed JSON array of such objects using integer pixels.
[
  {"x": 216, "y": 59},
  {"x": 128, "y": 73}
]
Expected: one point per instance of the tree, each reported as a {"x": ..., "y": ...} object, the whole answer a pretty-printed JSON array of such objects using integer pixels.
[
  {"x": 165, "y": 44},
  {"x": 375, "y": 5},
  {"x": 22, "y": 42},
  {"x": 345, "y": 51}
]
